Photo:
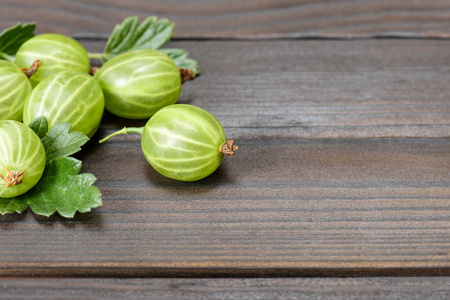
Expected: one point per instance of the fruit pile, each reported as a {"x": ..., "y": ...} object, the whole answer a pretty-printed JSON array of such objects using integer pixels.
[{"x": 50, "y": 76}]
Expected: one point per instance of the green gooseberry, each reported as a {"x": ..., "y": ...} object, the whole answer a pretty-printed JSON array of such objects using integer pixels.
[
  {"x": 70, "y": 96},
  {"x": 14, "y": 89},
  {"x": 139, "y": 83},
  {"x": 57, "y": 53},
  {"x": 22, "y": 158},
  {"x": 183, "y": 142}
]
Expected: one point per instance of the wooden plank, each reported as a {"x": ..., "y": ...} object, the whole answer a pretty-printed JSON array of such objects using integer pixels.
[
  {"x": 436, "y": 288},
  {"x": 240, "y": 19},
  {"x": 320, "y": 89},
  {"x": 292, "y": 207},
  {"x": 303, "y": 196}
]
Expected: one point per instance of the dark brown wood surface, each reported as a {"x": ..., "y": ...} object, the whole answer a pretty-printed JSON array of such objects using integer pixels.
[
  {"x": 435, "y": 288},
  {"x": 322, "y": 182},
  {"x": 343, "y": 167},
  {"x": 241, "y": 19}
]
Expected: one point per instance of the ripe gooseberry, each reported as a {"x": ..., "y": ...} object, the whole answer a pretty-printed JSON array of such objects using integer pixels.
[
  {"x": 57, "y": 53},
  {"x": 183, "y": 142},
  {"x": 139, "y": 83},
  {"x": 14, "y": 89},
  {"x": 22, "y": 158},
  {"x": 69, "y": 96}
]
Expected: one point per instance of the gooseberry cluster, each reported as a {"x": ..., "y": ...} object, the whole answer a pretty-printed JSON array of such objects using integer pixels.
[{"x": 51, "y": 76}]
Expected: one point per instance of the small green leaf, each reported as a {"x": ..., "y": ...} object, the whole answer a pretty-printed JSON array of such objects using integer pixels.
[
  {"x": 59, "y": 142},
  {"x": 12, "y": 205},
  {"x": 13, "y": 37},
  {"x": 180, "y": 57},
  {"x": 39, "y": 126},
  {"x": 61, "y": 189},
  {"x": 67, "y": 166},
  {"x": 130, "y": 35}
]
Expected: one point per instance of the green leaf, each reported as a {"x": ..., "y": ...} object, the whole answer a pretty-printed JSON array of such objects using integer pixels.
[
  {"x": 64, "y": 166},
  {"x": 130, "y": 35},
  {"x": 13, "y": 37},
  {"x": 180, "y": 57},
  {"x": 39, "y": 126},
  {"x": 12, "y": 205},
  {"x": 37, "y": 196},
  {"x": 59, "y": 142},
  {"x": 61, "y": 189}
]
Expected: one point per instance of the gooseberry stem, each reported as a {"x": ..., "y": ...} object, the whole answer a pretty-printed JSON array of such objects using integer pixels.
[
  {"x": 228, "y": 148},
  {"x": 124, "y": 130},
  {"x": 95, "y": 55},
  {"x": 12, "y": 177},
  {"x": 33, "y": 69},
  {"x": 92, "y": 70},
  {"x": 186, "y": 75}
]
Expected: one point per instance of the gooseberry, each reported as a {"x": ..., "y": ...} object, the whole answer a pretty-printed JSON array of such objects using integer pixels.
[
  {"x": 22, "y": 158},
  {"x": 183, "y": 142},
  {"x": 57, "y": 53},
  {"x": 14, "y": 89},
  {"x": 69, "y": 96},
  {"x": 138, "y": 83}
]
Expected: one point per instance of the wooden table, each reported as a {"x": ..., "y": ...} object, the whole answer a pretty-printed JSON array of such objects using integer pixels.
[{"x": 341, "y": 185}]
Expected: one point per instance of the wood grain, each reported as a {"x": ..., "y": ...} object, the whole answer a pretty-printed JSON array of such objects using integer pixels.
[
  {"x": 240, "y": 19},
  {"x": 320, "y": 89},
  {"x": 343, "y": 166},
  {"x": 436, "y": 288},
  {"x": 279, "y": 207},
  {"x": 343, "y": 169}
]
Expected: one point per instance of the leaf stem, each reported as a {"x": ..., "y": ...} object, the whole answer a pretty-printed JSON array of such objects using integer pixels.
[
  {"x": 7, "y": 57},
  {"x": 95, "y": 55},
  {"x": 124, "y": 130}
]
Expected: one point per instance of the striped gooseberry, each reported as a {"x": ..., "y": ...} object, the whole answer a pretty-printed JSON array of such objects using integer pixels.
[
  {"x": 70, "y": 96},
  {"x": 22, "y": 158},
  {"x": 57, "y": 53},
  {"x": 138, "y": 83},
  {"x": 183, "y": 142},
  {"x": 14, "y": 89}
]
